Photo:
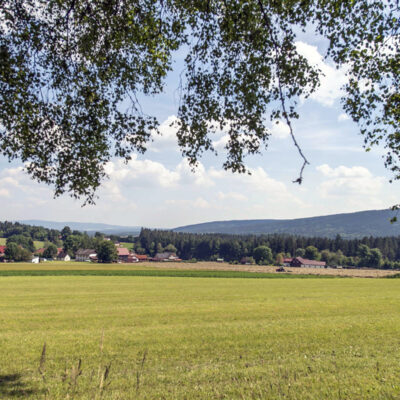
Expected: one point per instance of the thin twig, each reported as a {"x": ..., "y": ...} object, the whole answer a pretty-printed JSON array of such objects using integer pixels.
[{"x": 299, "y": 180}]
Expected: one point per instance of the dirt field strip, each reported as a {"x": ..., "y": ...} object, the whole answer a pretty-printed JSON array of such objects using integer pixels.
[
  {"x": 202, "y": 265},
  {"x": 357, "y": 273}
]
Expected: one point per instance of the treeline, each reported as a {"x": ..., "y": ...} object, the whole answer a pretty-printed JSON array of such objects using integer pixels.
[
  {"x": 20, "y": 245},
  {"x": 39, "y": 233},
  {"x": 380, "y": 251}
]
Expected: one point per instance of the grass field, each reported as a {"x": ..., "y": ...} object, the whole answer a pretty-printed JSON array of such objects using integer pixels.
[
  {"x": 127, "y": 245},
  {"x": 182, "y": 338}
]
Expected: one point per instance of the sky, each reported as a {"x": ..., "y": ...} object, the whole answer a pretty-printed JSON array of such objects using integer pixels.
[{"x": 159, "y": 190}]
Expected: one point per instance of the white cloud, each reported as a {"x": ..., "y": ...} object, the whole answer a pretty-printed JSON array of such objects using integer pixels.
[
  {"x": 198, "y": 176},
  {"x": 332, "y": 80},
  {"x": 152, "y": 174},
  {"x": 221, "y": 143},
  {"x": 257, "y": 183},
  {"x": 197, "y": 203},
  {"x": 4, "y": 193},
  {"x": 143, "y": 173},
  {"x": 350, "y": 182},
  {"x": 201, "y": 203},
  {"x": 167, "y": 139},
  {"x": 280, "y": 130},
  {"x": 343, "y": 117},
  {"x": 231, "y": 196}
]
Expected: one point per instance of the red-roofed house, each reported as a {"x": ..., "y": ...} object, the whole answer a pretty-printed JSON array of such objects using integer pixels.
[
  {"x": 123, "y": 254},
  {"x": 287, "y": 262},
  {"x": 2, "y": 251},
  {"x": 304, "y": 263},
  {"x": 132, "y": 258},
  {"x": 141, "y": 257},
  {"x": 40, "y": 251}
]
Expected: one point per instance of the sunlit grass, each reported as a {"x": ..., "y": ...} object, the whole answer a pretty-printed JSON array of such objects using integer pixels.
[
  {"x": 204, "y": 338},
  {"x": 38, "y": 244},
  {"x": 127, "y": 245}
]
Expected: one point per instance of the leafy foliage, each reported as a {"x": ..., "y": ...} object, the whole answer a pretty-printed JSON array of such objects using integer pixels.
[
  {"x": 106, "y": 252},
  {"x": 22, "y": 240},
  {"x": 262, "y": 254},
  {"x": 8, "y": 229},
  {"x": 17, "y": 253},
  {"x": 71, "y": 72},
  {"x": 50, "y": 251}
]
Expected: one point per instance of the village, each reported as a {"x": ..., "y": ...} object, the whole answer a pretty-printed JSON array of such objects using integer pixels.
[{"x": 124, "y": 255}]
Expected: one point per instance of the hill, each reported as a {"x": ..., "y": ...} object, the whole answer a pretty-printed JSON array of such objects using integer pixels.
[
  {"x": 88, "y": 227},
  {"x": 350, "y": 225}
]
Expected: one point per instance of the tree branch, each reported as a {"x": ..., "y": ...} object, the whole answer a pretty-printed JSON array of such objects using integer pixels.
[{"x": 267, "y": 22}]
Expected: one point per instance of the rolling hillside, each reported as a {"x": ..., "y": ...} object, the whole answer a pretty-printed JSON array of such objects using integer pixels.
[
  {"x": 88, "y": 227},
  {"x": 351, "y": 225}
]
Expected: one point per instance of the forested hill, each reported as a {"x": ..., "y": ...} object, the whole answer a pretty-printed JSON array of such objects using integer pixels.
[{"x": 352, "y": 225}]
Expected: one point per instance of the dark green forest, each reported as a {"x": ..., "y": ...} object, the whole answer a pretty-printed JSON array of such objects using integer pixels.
[
  {"x": 376, "y": 252},
  {"x": 368, "y": 251}
]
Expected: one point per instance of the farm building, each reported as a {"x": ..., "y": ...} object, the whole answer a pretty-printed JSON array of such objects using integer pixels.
[
  {"x": 85, "y": 255},
  {"x": 63, "y": 256},
  {"x": 132, "y": 258},
  {"x": 166, "y": 256},
  {"x": 304, "y": 263},
  {"x": 2, "y": 252},
  {"x": 287, "y": 262},
  {"x": 123, "y": 254},
  {"x": 141, "y": 257},
  {"x": 40, "y": 251}
]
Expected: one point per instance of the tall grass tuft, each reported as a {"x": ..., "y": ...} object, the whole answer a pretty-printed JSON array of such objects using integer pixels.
[
  {"x": 103, "y": 384},
  {"x": 139, "y": 371}
]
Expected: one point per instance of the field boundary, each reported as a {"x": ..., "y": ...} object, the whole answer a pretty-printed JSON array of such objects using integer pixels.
[{"x": 164, "y": 273}]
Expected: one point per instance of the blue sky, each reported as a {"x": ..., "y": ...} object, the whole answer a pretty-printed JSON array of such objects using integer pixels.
[{"x": 158, "y": 189}]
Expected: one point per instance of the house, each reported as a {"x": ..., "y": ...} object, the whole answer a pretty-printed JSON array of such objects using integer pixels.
[
  {"x": 304, "y": 263},
  {"x": 132, "y": 258},
  {"x": 85, "y": 255},
  {"x": 123, "y": 254},
  {"x": 35, "y": 260},
  {"x": 63, "y": 256},
  {"x": 2, "y": 253},
  {"x": 287, "y": 262},
  {"x": 166, "y": 256},
  {"x": 40, "y": 251},
  {"x": 141, "y": 257}
]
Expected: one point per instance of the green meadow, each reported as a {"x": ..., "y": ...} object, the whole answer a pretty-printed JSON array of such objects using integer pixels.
[{"x": 149, "y": 337}]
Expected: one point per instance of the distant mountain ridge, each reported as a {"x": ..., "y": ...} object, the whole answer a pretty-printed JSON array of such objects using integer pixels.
[
  {"x": 88, "y": 227},
  {"x": 349, "y": 225}
]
